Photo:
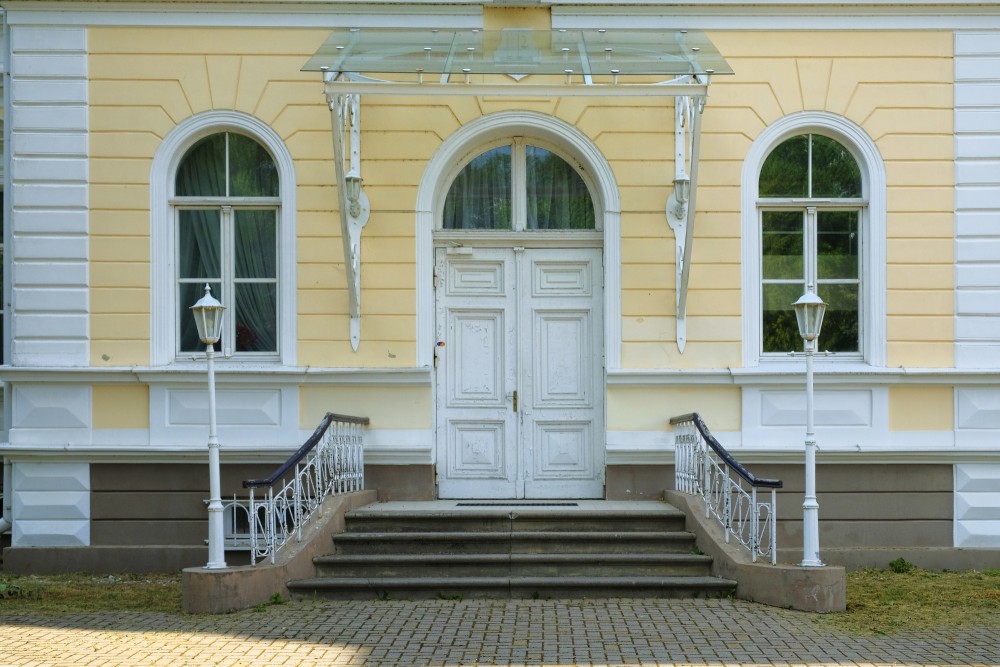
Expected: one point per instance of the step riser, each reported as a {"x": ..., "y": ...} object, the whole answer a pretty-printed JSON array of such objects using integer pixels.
[
  {"x": 520, "y": 524},
  {"x": 508, "y": 544},
  {"x": 513, "y": 553},
  {"x": 432, "y": 569},
  {"x": 389, "y": 592}
]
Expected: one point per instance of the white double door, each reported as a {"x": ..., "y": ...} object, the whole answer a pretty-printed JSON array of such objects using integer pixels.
[{"x": 520, "y": 372}]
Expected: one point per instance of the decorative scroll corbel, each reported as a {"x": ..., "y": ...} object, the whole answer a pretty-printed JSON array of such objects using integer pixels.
[
  {"x": 352, "y": 201},
  {"x": 680, "y": 204}
]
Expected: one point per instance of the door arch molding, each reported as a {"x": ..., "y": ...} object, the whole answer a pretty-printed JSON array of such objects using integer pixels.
[{"x": 432, "y": 191}]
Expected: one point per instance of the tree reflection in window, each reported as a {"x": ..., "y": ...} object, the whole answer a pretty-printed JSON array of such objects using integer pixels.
[
  {"x": 810, "y": 220},
  {"x": 227, "y": 239}
]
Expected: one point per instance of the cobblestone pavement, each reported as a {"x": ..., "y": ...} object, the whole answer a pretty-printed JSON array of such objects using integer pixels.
[{"x": 721, "y": 633}]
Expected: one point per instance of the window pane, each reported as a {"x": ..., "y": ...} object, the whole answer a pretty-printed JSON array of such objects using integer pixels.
[
  {"x": 780, "y": 331},
  {"x": 835, "y": 171},
  {"x": 781, "y": 244},
  {"x": 840, "y": 324},
  {"x": 198, "y": 244},
  {"x": 479, "y": 197},
  {"x": 251, "y": 170},
  {"x": 786, "y": 170},
  {"x": 256, "y": 314},
  {"x": 837, "y": 244},
  {"x": 557, "y": 196},
  {"x": 202, "y": 172},
  {"x": 188, "y": 295},
  {"x": 255, "y": 244}
]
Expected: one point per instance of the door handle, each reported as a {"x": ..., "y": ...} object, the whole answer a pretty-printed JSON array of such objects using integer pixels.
[{"x": 515, "y": 400}]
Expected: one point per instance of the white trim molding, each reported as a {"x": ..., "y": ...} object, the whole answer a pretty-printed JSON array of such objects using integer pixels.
[
  {"x": 163, "y": 346},
  {"x": 434, "y": 186},
  {"x": 863, "y": 148}
]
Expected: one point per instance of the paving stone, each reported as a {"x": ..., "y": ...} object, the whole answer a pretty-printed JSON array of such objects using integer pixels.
[{"x": 448, "y": 633}]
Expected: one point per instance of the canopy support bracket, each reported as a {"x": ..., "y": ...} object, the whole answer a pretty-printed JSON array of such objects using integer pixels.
[
  {"x": 681, "y": 203},
  {"x": 345, "y": 110}
]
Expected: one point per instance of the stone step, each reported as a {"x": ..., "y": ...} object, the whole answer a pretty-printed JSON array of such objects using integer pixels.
[
  {"x": 452, "y": 542},
  {"x": 513, "y": 519},
  {"x": 510, "y": 587},
  {"x": 516, "y": 565}
]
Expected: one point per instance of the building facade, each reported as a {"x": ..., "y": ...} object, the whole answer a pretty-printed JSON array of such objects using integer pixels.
[{"x": 514, "y": 292}]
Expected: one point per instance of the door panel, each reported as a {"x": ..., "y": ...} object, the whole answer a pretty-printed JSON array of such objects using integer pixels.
[{"x": 520, "y": 383}]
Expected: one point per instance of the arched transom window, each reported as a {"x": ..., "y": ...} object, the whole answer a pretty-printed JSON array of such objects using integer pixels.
[
  {"x": 811, "y": 210},
  {"x": 226, "y": 204},
  {"x": 518, "y": 186}
]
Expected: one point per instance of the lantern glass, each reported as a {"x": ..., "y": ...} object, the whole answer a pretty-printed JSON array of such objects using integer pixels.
[
  {"x": 208, "y": 317},
  {"x": 353, "y": 190},
  {"x": 682, "y": 190},
  {"x": 809, "y": 311}
]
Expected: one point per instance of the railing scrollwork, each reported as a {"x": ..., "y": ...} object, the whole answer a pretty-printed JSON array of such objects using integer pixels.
[
  {"x": 330, "y": 462},
  {"x": 732, "y": 493}
]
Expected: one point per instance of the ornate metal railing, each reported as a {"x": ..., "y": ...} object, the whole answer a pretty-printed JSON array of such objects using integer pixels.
[
  {"x": 330, "y": 462},
  {"x": 703, "y": 467}
]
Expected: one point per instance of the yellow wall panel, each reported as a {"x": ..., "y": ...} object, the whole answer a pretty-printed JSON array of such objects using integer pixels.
[
  {"x": 650, "y": 408},
  {"x": 919, "y": 276},
  {"x": 119, "y": 274},
  {"x": 920, "y": 354},
  {"x": 921, "y": 409},
  {"x": 124, "y": 144},
  {"x": 120, "y": 406},
  {"x": 933, "y": 224},
  {"x": 714, "y": 302},
  {"x": 650, "y": 302},
  {"x": 924, "y": 302},
  {"x": 641, "y": 276},
  {"x": 920, "y": 328},
  {"x": 116, "y": 171},
  {"x": 112, "y": 248},
  {"x": 920, "y": 251},
  {"x": 119, "y": 299},
  {"x": 119, "y": 326},
  {"x": 388, "y": 406},
  {"x": 119, "y": 223},
  {"x": 120, "y": 352}
]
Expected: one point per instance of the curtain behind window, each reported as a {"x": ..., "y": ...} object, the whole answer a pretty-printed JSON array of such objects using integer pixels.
[{"x": 228, "y": 165}]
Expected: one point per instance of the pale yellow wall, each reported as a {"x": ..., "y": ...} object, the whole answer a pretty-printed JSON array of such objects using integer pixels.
[
  {"x": 145, "y": 81},
  {"x": 120, "y": 406},
  {"x": 650, "y": 408},
  {"x": 388, "y": 406},
  {"x": 921, "y": 409},
  {"x": 897, "y": 87}
]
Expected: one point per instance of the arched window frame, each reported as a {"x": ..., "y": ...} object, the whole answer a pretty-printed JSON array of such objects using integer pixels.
[
  {"x": 163, "y": 260},
  {"x": 573, "y": 144},
  {"x": 518, "y": 146},
  {"x": 873, "y": 224}
]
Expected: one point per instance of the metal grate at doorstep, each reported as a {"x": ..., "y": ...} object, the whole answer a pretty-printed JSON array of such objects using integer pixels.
[{"x": 516, "y": 504}]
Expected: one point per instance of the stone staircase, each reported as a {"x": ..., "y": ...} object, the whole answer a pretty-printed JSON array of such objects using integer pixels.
[{"x": 454, "y": 549}]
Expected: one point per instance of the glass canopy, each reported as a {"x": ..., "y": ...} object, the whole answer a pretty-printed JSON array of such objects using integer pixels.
[{"x": 519, "y": 52}]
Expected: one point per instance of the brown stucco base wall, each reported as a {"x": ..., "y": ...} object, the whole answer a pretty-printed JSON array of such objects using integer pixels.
[
  {"x": 637, "y": 482},
  {"x": 102, "y": 560},
  {"x": 221, "y": 591},
  {"x": 406, "y": 482},
  {"x": 144, "y": 504}
]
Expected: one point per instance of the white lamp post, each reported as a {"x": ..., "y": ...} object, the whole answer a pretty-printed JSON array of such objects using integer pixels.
[
  {"x": 809, "y": 311},
  {"x": 208, "y": 317}
]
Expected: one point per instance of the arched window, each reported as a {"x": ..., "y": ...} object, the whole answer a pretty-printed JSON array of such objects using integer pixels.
[
  {"x": 223, "y": 213},
  {"x": 811, "y": 208},
  {"x": 226, "y": 209},
  {"x": 814, "y": 215},
  {"x": 518, "y": 186}
]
